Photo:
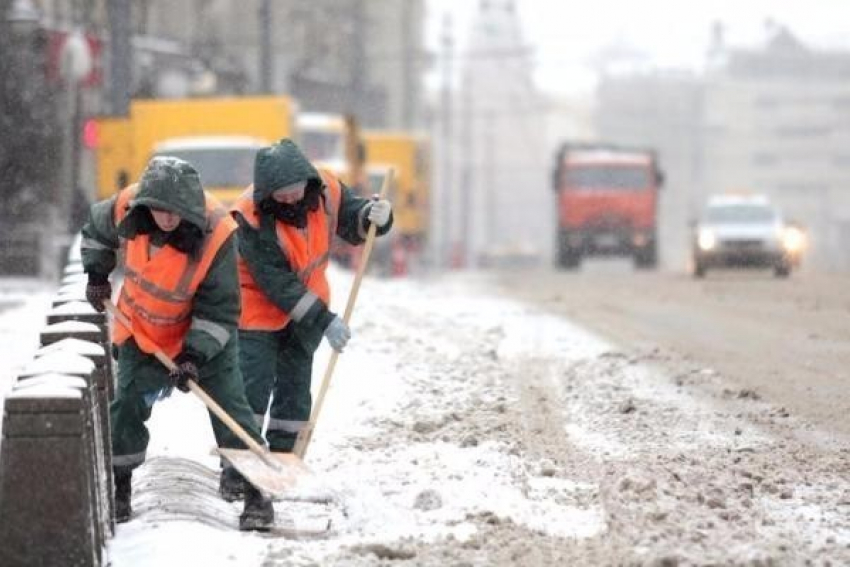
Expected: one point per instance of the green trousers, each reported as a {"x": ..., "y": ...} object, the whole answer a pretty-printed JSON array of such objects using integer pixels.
[
  {"x": 278, "y": 366},
  {"x": 141, "y": 380}
]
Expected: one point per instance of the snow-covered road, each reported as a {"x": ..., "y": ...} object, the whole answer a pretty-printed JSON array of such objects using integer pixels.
[{"x": 462, "y": 428}]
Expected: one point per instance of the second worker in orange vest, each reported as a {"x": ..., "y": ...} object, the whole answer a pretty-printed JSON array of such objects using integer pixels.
[{"x": 287, "y": 220}]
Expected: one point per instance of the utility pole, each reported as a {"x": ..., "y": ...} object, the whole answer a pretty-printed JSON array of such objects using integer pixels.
[
  {"x": 120, "y": 57},
  {"x": 265, "y": 28},
  {"x": 490, "y": 194},
  {"x": 358, "y": 83},
  {"x": 469, "y": 163},
  {"x": 442, "y": 210},
  {"x": 410, "y": 66}
]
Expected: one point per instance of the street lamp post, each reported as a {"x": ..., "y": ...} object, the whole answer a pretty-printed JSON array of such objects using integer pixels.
[
  {"x": 441, "y": 204},
  {"x": 75, "y": 63}
]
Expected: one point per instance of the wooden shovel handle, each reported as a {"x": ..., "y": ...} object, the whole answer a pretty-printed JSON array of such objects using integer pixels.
[
  {"x": 198, "y": 391},
  {"x": 231, "y": 423},
  {"x": 306, "y": 433}
]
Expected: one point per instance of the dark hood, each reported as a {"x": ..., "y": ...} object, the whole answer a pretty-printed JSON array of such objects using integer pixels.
[
  {"x": 279, "y": 165},
  {"x": 172, "y": 184}
]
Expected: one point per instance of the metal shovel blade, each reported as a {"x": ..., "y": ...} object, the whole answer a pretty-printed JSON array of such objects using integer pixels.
[{"x": 274, "y": 481}]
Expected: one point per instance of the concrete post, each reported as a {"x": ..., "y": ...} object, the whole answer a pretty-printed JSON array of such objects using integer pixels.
[
  {"x": 49, "y": 517},
  {"x": 69, "y": 364},
  {"x": 73, "y": 268},
  {"x": 71, "y": 330},
  {"x": 104, "y": 391},
  {"x": 82, "y": 312}
]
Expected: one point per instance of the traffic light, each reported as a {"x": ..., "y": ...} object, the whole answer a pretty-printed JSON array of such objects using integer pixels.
[{"x": 90, "y": 134}]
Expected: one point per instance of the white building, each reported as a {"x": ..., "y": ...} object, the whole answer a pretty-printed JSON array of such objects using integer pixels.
[
  {"x": 777, "y": 120},
  {"x": 773, "y": 119},
  {"x": 501, "y": 198}
]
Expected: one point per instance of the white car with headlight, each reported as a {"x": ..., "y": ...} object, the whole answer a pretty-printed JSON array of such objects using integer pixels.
[{"x": 745, "y": 232}]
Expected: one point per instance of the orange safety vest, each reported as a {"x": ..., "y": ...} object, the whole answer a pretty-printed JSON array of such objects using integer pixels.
[
  {"x": 157, "y": 293},
  {"x": 307, "y": 251}
]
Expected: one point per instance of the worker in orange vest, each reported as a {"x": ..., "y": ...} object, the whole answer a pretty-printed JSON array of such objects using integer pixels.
[
  {"x": 181, "y": 295},
  {"x": 287, "y": 220}
]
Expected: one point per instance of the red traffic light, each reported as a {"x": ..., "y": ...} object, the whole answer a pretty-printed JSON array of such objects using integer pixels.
[{"x": 90, "y": 133}]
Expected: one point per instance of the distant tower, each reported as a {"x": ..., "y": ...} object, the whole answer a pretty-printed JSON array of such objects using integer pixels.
[
  {"x": 500, "y": 129},
  {"x": 716, "y": 55}
]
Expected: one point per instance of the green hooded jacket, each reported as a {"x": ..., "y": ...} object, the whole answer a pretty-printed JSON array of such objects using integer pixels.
[
  {"x": 277, "y": 166},
  {"x": 174, "y": 185}
]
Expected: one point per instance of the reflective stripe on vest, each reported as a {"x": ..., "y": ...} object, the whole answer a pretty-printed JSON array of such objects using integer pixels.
[
  {"x": 308, "y": 253},
  {"x": 158, "y": 291}
]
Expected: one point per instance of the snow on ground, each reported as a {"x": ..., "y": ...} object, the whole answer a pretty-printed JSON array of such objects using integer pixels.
[
  {"x": 24, "y": 304},
  {"x": 389, "y": 377},
  {"x": 463, "y": 428},
  {"x": 383, "y": 490}
]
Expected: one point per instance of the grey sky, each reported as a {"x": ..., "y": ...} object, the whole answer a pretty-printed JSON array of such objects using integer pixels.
[{"x": 567, "y": 36}]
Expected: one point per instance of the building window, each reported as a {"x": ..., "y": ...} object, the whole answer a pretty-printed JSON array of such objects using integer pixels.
[
  {"x": 842, "y": 103},
  {"x": 803, "y": 131},
  {"x": 801, "y": 188},
  {"x": 765, "y": 159},
  {"x": 764, "y": 102}
]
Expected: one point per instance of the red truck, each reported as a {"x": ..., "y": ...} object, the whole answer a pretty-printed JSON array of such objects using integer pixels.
[{"x": 607, "y": 203}]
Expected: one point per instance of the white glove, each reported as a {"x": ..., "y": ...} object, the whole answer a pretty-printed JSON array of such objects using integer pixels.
[
  {"x": 338, "y": 334},
  {"x": 379, "y": 212}
]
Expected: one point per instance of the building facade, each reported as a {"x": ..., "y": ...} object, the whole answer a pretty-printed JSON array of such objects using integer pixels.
[
  {"x": 773, "y": 119},
  {"x": 357, "y": 56},
  {"x": 777, "y": 121}
]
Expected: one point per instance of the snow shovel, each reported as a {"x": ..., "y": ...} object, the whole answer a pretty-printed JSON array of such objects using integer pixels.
[
  {"x": 306, "y": 433},
  {"x": 272, "y": 473}
]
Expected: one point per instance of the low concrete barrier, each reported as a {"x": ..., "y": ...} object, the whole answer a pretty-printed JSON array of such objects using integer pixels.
[
  {"x": 56, "y": 485},
  {"x": 83, "y": 312},
  {"x": 71, "y": 330},
  {"x": 73, "y": 268},
  {"x": 75, "y": 365},
  {"x": 49, "y": 514},
  {"x": 104, "y": 387},
  {"x": 79, "y": 277}
]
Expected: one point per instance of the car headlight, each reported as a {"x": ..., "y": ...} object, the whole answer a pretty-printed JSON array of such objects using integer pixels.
[
  {"x": 793, "y": 239},
  {"x": 706, "y": 239}
]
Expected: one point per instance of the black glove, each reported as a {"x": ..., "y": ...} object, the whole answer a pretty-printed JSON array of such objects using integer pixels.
[
  {"x": 97, "y": 290},
  {"x": 187, "y": 369}
]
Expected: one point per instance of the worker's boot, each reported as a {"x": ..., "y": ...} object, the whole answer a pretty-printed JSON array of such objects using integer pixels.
[
  {"x": 258, "y": 514},
  {"x": 231, "y": 484},
  {"x": 123, "y": 493}
]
